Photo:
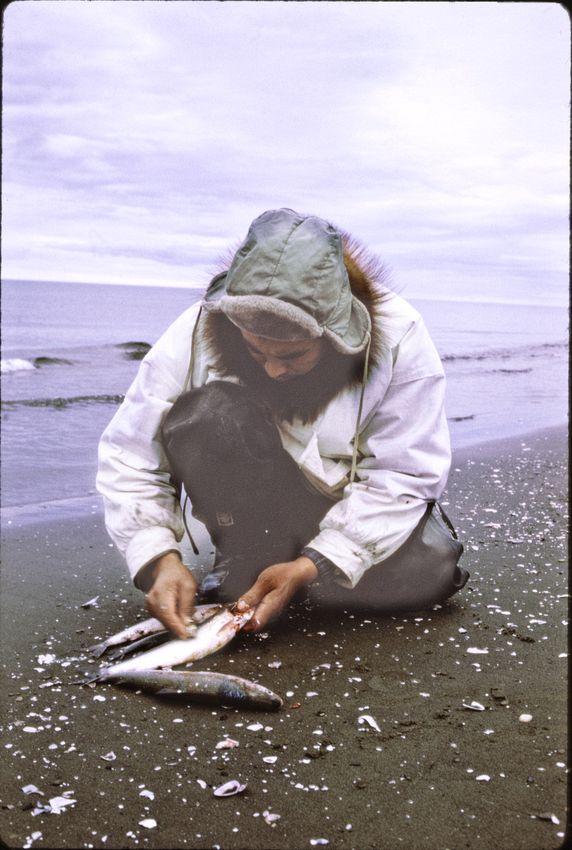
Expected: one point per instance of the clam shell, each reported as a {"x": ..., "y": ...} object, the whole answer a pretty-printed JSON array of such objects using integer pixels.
[{"x": 229, "y": 788}]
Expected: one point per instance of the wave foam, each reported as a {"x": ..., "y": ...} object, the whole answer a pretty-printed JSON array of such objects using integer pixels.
[{"x": 16, "y": 364}]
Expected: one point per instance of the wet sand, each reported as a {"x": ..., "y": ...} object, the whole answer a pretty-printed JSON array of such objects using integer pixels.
[{"x": 469, "y": 699}]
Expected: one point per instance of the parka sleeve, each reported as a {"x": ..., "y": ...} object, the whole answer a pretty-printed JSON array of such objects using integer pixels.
[
  {"x": 405, "y": 456},
  {"x": 142, "y": 511}
]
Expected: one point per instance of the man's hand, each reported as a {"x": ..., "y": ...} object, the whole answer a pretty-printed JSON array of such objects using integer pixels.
[
  {"x": 171, "y": 596},
  {"x": 273, "y": 590}
]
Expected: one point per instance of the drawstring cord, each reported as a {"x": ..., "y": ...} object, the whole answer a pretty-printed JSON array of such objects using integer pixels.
[
  {"x": 186, "y": 385},
  {"x": 360, "y": 407},
  {"x": 190, "y": 536},
  {"x": 188, "y": 378},
  {"x": 356, "y": 433}
]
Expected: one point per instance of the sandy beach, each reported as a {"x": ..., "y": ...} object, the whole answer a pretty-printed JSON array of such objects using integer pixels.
[{"x": 437, "y": 729}]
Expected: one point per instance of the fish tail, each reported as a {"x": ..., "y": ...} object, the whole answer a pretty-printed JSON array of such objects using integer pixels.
[{"x": 97, "y": 649}]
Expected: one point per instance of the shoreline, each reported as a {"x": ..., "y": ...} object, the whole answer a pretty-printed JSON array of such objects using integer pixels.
[
  {"x": 91, "y": 504},
  {"x": 468, "y": 700}
]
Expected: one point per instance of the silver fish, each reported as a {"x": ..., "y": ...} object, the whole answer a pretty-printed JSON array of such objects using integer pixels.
[
  {"x": 218, "y": 688},
  {"x": 147, "y": 642},
  {"x": 149, "y": 627},
  {"x": 209, "y": 638}
]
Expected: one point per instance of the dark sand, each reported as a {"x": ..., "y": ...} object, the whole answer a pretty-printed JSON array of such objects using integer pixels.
[{"x": 437, "y": 775}]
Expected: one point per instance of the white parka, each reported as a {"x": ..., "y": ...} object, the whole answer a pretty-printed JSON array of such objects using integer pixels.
[{"x": 403, "y": 461}]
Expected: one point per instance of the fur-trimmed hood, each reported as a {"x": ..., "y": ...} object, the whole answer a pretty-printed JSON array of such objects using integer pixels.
[{"x": 307, "y": 395}]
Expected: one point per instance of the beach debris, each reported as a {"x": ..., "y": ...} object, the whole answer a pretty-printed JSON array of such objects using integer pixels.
[
  {"x": 275, "y": 665},
  {"x": 367, "y": 718},
  {"x": 91, "y": 603},
  {"x": 149, "y": 627},
  {"x": 32, "y": 789},
  {"x": 497, "y": 695},
  {"x": 47, "y": 658},
  {"x": 147, "y": 793},
  {"x": 255, "y": 727},
  {"x": 474, "y": 650},
  {"x": 211, "y": 637},
  {"x": 148, "y": 823},
  {"x": 483, "y": 777},
  {"x": 202, "y": 784},
  {"x": 318, "y": 841},
  {"x": 270, "y": 817},
  {"x": 110, "y": 756},
  {"x": 227, "y": 744},
  {"x": 35, "y": 836},
  {"x": 55, "y": 805},
  {"x": 270, "y": 759},
  {"x": 207, "y": 687},
  {"x": 549, "y": 816},
  {"x": 473, "y": 706},
  {"x": 233, "y": 786},
  {"x": 525, "y": 718}
]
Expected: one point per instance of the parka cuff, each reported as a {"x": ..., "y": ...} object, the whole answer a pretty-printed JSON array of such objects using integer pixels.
[
  {"x": 327, "y": 571},
  {"x": 339, "y": 549},
  {"x": 148, "y": 545}
]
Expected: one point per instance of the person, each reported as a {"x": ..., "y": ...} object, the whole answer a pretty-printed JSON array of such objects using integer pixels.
[{"x": 299, "y": 407}]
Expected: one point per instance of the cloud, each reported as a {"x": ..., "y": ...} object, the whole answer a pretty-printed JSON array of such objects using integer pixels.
[{"x": 150, "y": 134}]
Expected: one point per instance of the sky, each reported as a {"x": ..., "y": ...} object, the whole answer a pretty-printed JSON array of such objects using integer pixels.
[{"x": 141, "y": 138}]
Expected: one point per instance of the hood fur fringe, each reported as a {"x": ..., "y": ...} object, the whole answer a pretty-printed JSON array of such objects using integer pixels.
[{"x": 308, "y": 395}]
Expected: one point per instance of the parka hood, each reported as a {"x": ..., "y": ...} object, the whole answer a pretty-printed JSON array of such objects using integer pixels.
[
  {"x": 307, "y": 396},
  {"x": 288, "y": 281}
]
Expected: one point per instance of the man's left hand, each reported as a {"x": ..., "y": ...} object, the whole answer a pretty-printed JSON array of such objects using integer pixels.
[{"x": 273, "y": 590}]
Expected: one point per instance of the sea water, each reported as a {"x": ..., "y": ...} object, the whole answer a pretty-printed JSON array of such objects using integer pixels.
[{"x": 70, "y": 351}]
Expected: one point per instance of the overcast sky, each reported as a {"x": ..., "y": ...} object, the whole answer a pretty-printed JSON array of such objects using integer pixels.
[{"x": 141, "y": 138}]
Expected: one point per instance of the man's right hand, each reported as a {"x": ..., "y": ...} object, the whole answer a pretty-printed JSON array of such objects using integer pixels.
[{"x": 171, "y": 596}]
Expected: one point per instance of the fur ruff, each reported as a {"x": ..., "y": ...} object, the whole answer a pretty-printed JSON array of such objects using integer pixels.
[{"x": 307, "y": 395}]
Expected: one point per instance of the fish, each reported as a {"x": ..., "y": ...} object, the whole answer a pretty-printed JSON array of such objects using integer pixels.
[
  {"x": 149, "y": 627},
  {"x": 209, "y": 638},
  {"x": 208, "y": 687},
  {"x": 147, "y": 642}
]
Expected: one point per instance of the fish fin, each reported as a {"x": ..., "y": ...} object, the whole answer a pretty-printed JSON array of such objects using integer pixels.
[
  {"x": 116, "y": 655},
  {"x": 87, "y": 679},
  {"x": 97, "y": 650}
]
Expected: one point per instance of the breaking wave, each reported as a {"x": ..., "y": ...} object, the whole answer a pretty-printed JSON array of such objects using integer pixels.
[
  {"x": 16, "y": 364},
  {"x": 20, "y": 364},
  {"x": 62, "y": 402},
  {"x": 546, "y": 349},
  {"x": 131, "y": 350}
]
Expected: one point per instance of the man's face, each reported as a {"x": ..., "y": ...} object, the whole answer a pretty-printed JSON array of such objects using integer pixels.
[{"x": 283, "y": 360}]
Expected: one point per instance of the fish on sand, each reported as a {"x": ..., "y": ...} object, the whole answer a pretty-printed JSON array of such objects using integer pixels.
[
  {"x": 209, "y": 638},
  {"x": 209, "y": 687},
  {"x": 150, "y": 627}
]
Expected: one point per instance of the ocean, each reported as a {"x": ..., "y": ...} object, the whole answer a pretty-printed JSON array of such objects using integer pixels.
[{"x": 70, "y": 351}]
